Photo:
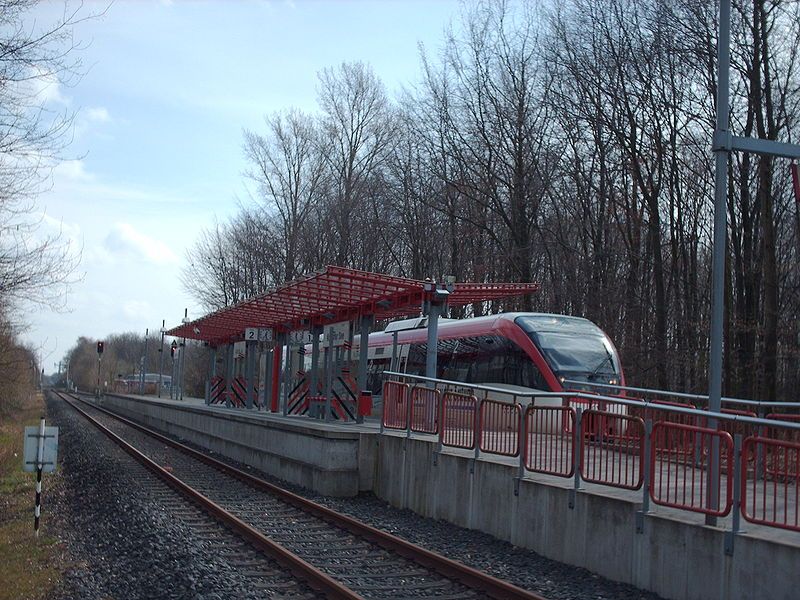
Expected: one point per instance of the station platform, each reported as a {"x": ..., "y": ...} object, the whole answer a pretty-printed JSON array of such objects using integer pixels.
[{"x": 668, "y": 551}]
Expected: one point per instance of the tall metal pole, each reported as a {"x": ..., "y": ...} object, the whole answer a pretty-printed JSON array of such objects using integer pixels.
[
  {"x": 433, "y": 340},
  {"x": 161, "y": 358},
  {"x": 144, "y": 360},
  {"x": 722, "y": 153},
  {"x": 99, "y": 358},
  {"x": 173, "y": 379},
  {"x": 183, "y": 349}
]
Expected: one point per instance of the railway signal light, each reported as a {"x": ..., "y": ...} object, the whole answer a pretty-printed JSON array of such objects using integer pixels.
[
  {"x": 173, "y": 348},
  {"x": 99, "y": 347}
]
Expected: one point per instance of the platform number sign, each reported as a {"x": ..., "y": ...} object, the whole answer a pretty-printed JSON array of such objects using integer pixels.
[
  {"x": 255, "y": 334},
  {"x": 300, "y": 338}
]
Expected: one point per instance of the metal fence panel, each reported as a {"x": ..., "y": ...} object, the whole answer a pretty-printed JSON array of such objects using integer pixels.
[
  {"x": 459, "y": 420},
  {"x": 679, "y": 464},
  {"x": 548, "y": 446},
  {"x": 425, "y": 409},
  {"x": 395, "y": 405},
  {"x": 771, "y": 499},
  {"x": 499, "y": 427},
  {"x": 612, "y": 449}
]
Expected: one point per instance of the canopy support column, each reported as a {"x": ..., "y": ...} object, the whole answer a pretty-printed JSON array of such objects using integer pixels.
[
  {"x": 266, "y": 382},
  {"x": 328, "y": 378},
  {"x": 249, "y": 373},
  {"x": 212, "y": 371},
  {"x": 363, "y": 352},
  {"x": 276, "y": 373},
  {"x": 395, "y": 363},
  {"x": 313, "y": 389},
  {"x": 228, "y": 374},
  {"x": 287, "y": 377}
]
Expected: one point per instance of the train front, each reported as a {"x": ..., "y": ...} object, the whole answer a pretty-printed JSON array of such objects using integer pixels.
[{"x": 577, "y": 352}]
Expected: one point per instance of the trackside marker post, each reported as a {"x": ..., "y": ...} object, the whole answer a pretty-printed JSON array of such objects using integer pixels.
[{"x": 40, "y": 450}]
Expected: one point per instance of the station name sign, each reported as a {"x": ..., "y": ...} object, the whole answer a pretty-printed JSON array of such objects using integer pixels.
[{"x": 336, "y": 334}]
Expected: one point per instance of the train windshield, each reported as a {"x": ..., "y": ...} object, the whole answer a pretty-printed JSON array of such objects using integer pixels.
[{"x": 574, "y": 348}]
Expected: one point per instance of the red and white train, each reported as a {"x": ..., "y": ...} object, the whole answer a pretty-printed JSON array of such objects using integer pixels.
[{"x": 513, "y": 351}]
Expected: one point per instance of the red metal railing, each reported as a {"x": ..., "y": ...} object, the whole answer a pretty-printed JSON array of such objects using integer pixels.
[
  {"x": 425, "y": 409},
  {"x": 679, "y": 464},
  {"x": 773, "y": 498},
  {"x": 611, "y": 446},
  {"x": 499, "y": 427},
  {"x": 395, "y": 405},
  {"x": 548, "y": 446},
  {"x": 459, "y": 420},
  {"x": 577, "y": 403},
  {"x": 612, "y": 449},
  {"x": 734, "y": 427},
  {"x": 781, "y": 433}
]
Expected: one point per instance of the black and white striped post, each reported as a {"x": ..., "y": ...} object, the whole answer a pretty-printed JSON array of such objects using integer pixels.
[{"x": 39, "y": 466}]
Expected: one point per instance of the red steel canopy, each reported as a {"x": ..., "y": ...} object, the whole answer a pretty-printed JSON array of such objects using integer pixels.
[{"x": 332, "y": 295}]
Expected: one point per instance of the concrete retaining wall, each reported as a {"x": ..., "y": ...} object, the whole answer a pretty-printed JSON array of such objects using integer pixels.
[
  {"x": 673, "y": 558},
  {"x": 334, "y": 463}
]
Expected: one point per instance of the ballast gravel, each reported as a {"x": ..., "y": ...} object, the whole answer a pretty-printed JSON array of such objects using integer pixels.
[
  {"x": 121, "y": 543},
  {"x": 522, "y": 567},
  {"x": 126, "y": 546}
]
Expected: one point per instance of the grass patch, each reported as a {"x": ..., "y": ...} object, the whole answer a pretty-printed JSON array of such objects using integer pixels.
[{"x": 29, "y": 567}]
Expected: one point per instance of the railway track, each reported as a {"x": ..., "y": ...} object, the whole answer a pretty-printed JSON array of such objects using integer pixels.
[{"x": 334, "y": 554}]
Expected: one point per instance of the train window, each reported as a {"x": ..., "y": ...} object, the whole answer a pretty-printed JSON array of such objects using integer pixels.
[
  {"x": 416, "y": 362},
  {"x": 494, "y": 359},
  {"x": 484, "y": 359}
]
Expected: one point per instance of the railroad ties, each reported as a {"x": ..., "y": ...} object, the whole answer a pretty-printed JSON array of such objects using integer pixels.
[{"x": 257, "y": 525}]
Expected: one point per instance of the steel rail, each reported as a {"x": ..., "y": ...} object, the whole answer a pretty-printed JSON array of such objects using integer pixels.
[
  {"x": 315, "y": 578},
  {"x": 473, "y": 578}
]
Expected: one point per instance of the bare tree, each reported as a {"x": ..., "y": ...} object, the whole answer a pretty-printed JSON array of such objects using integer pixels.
[
  {"x": 357, "y": 132},
  {"x": 288, "y": 170},
  {"x": 32, "y": 140}
]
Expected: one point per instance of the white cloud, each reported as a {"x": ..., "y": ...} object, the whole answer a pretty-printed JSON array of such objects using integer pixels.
[
  {"x": 74, "y": 170},
  {"x": 98, "y": 114},
  {"x": 46, "y": 88},
  {"x": 126, "y": 240}
]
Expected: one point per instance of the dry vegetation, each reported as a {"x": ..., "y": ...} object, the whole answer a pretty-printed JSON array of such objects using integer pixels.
[{"x": 31, "y": 566}]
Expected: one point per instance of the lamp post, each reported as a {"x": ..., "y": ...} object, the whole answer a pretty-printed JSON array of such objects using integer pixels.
[
  {"x": 173, "y": 348},
  {"x": 161, "y": 358}
]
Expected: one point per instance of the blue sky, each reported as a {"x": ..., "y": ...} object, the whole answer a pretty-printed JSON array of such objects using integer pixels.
[{"x": 168, "y": 88}]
